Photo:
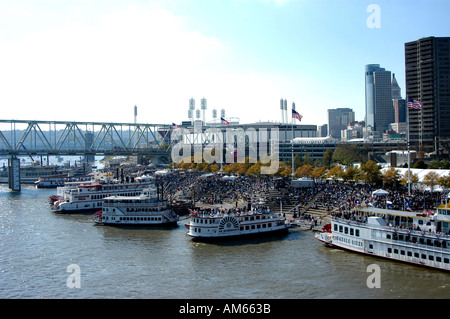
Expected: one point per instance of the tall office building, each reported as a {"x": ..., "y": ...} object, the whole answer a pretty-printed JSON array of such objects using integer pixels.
[
  {"x": 379, "y": 107},
  {"x": 396, "y": 91},
  {"x": 427, "y": 70},
  {"x": 399, "y": 124},
  {"x": 338, "y": 119}
]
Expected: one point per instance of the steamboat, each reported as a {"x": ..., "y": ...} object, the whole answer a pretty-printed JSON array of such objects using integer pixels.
[
  {"x": 145, "y": 209},
  {"x": 216, "y": 224},
  {"x": 86, "y": 197},
  {"x": 420, "y": 238}
]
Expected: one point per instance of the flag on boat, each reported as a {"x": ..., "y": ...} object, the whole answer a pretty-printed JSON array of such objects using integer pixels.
[
  {"x": 296, "y": 115},
  {"x": 414, "y": 104},
  {"x": 224, "y": 121}
]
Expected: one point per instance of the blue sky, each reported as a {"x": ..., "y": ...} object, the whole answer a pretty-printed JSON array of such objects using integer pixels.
[{"x": 94, "y": 60}]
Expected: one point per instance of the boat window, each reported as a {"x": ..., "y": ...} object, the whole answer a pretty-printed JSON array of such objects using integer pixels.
[
  {"x": 340, "y": 228},
  {"x": 346, "y": 230},
  {"x": 438, "y": 259},
  {"x": 446, "y": 260},
  {"x": 357, "y": 233},
  {"x": 352, "y": 231}
]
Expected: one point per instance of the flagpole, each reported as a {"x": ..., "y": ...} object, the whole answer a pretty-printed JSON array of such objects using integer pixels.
[
  {"x": 292, "y": 142},
  {"x": 407, "y": 141}
]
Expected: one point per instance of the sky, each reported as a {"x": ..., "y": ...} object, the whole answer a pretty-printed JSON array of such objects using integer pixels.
[{"x": 94, "y": 60}]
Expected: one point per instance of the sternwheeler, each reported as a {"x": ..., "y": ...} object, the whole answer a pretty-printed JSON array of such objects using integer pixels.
[
  {"x": 86, "y": 197},
  {"x": 218, "y": 224},
  {"x": 145, "y": 209},
  {"x": 420, "y": 238}
]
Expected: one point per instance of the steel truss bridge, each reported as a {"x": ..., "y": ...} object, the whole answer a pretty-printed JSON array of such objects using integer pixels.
[{"x": 56, "y": 138}]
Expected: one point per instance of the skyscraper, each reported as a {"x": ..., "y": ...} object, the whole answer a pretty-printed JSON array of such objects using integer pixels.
[
  {"x": 396, "y": 91},
  {"x": 379, "y": 107},
  {"x": 427, "y": 70},
  {"x": 338, "y": 119}
]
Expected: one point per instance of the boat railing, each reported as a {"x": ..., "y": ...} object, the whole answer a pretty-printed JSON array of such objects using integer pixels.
[
  {"x": 395, "y": 229},
  {"x": 220, "y": 214}
]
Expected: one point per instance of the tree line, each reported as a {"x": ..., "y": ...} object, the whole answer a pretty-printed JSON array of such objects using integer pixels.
[{"x": 337, "y": 165}]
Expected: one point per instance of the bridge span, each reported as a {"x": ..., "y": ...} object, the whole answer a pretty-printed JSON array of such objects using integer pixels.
[{"x": 68, "y": 138}]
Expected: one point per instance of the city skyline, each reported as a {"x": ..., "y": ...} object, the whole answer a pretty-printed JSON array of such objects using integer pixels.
[{"x": 94, "y": 61}]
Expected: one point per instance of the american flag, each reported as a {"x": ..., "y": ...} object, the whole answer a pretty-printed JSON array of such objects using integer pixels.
[
  {"x": 413, "y": 104},
  {"x": 175, "y": 127},
  {"x": 224, "y": 121},
  {"x": 296, "y": 115}
]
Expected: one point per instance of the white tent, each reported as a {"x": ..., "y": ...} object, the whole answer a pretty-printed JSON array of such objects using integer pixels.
[{"x": 379, "y": 192}]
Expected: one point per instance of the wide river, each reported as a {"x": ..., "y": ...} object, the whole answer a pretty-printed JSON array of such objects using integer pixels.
[{"x": 46, "y": 255}]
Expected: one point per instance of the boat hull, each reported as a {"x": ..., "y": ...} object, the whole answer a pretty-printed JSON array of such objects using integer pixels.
[{"x": 272, "y": 233}]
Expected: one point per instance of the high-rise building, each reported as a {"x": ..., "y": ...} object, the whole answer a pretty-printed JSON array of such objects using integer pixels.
[
  {"x": 379, "y": 107},
  {"x": 400, "y": 111},
  {"x": 396, "y": 91},
  {"x": 427, "y": 71},
  {"x": 338, "y": 119}
]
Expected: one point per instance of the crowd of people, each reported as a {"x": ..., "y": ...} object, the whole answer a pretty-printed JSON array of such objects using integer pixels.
[{"x": 215, "y": 189}]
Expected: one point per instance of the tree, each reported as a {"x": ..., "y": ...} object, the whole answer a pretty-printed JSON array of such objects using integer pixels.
[
  {"x": 214, "y": 168},
  {"x": 414, "y": 179},
  {"x": 430, "y": 179},
  {"x": 335, "y": 172},
  {"x": 350, "y": 173},
  {"x": 391, "y": 176},
  {"x": 346, "y": 154},
  {"x": 255, "y": 169},
  {"x": 371, "y": 173},
  {"x": 304, "y": 171},
  {"x": 319, "y": 172},
  {"x": 444, "y": 181},
  {"x": 419, "y": 164},
  {"x": 327, "y": 158}
]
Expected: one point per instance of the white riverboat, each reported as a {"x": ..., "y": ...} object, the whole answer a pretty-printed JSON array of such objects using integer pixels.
[
  {"x": 145, "y": 209},
  {"x": 219, "y": 224},
  {"x": 420, "y": 238},
  {"x": 89, "y": 196},
  {"x": 56, "y": 181}
]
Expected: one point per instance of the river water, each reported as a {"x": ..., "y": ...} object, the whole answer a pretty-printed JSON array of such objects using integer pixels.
[{"x": 37, "y": 247}]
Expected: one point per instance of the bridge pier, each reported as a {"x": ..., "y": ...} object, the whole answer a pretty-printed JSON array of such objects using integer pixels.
[{"x": 14, "y": 174}]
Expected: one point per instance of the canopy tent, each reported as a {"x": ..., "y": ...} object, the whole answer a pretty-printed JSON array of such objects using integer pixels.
[{"x": 379, "y": 192}]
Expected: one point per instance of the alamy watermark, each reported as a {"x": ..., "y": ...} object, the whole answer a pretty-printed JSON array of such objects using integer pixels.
[
  {"x": 374, "y": 19},
  {"x": 74, "y": 279},
  {"x": 374, "y": 279},
  {"x": 214, "y": 145}
]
